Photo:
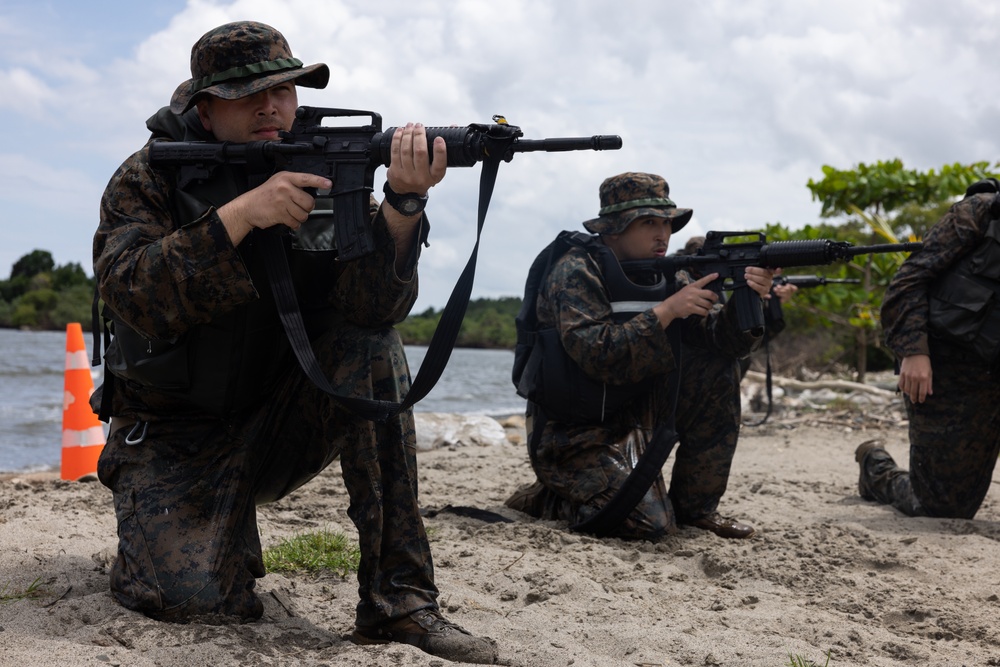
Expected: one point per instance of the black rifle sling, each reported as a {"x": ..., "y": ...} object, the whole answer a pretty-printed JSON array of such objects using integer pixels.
[
  {"x": 442, "y": 342},
  {"x": 767, "y": 384},
  {"x": 649, "y": 466}
]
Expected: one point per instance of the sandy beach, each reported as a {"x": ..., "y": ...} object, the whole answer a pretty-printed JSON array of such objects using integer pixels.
[{"x": 827, "y": 573}]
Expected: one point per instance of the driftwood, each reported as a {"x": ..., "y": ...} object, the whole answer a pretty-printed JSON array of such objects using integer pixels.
[{"x": 799, "y": 385}]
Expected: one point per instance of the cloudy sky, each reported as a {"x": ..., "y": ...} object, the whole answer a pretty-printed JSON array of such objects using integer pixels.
[{"x": 737, "y": 103}]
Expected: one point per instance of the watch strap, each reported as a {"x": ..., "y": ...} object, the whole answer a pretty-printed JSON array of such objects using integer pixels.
[{"x": 409, "y": 203}]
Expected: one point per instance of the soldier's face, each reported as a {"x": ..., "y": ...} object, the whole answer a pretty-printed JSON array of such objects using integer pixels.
[
  {"x": 644, "y": 238},
  {"x": 253, "y": 118}
]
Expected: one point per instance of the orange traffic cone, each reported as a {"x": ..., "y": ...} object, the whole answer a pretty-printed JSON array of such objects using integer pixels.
[{"x": 83, "y": 434}]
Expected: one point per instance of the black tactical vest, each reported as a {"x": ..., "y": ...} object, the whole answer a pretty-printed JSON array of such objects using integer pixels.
[
  {"x": 543, "y": 372},
  {"x": 965, "y": 301},
  {"x": 234, "y": 361}
]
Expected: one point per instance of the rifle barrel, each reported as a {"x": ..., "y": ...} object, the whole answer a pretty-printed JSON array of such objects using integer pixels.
[
  {"x": 598, "y": 142},
  {"x": 812, "y": 280},
  {"x": 886, "y": 247}
]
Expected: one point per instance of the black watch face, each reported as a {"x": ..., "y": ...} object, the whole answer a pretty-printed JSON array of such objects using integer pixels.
[{"x": 410, "y": 206}]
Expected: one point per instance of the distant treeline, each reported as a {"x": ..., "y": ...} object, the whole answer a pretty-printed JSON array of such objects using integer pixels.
[
  {"x": 42, "y": 296},
  {"x": 488, "y": 323}
]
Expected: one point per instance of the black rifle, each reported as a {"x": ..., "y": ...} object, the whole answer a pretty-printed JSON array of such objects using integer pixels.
[
  {"x": 349, "y": 156},
  {"x": 812, "y": 281},
  {"x": 730, "y": 261}
]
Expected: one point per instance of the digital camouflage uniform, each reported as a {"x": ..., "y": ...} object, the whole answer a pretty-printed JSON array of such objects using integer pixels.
[
  {"x": 185, "y": 493},
  {"x": 580, "y": 467},
  {"x": 955, "y": 434}
]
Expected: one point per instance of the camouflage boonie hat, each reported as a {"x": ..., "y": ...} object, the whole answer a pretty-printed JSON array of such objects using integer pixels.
[
  {"x": 239, "y": 59},
  {"x": 633, "y": 195},
  {"x": 693, "y": 245}
]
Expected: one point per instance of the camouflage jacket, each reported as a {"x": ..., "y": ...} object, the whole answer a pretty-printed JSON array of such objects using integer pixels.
[
  {"x": 164, "y": 276},
  {"x": 906, "y": 306},
  {"x": 575, "y": 300}
]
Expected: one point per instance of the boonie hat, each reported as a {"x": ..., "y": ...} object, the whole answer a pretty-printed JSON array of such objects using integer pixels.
[
  {"x": 693, "y": 245},
  {"x": 633, "y": 195},
  {"x": 242, "y": 58}
]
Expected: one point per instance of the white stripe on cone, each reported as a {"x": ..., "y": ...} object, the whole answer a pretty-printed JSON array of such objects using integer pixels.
[
  {"x": 92, "y": 436},
  {"x": 77, "y": 360}
]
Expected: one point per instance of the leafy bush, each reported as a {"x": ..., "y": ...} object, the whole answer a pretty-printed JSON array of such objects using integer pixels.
[{"x": 40, "y": 295}]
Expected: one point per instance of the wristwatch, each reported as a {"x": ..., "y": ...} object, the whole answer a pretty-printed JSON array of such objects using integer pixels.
[{"x": 409, "y": 204}]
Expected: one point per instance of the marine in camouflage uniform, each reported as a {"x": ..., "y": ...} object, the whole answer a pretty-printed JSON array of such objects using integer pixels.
[
  {"x": 186, "y": 481},
  {"x": 954, "y": 430},
  {"x": 581, "y": 466}
]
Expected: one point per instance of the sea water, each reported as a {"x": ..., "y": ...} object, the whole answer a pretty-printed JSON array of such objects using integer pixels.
[{"x": 33, "y": 364}]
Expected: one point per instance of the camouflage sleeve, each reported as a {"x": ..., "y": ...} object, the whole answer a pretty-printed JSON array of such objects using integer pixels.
[
  {"x": 575, "y": 301},
  {"x": 160, "y": 275},
  {"x": 369, "y": 292},
  {"x": 720, "y": 331},
  {"x": 906, "y": 306}
]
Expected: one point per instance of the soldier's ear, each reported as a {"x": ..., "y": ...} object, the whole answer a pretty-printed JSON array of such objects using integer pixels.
[{"x": 203, "y": 105}]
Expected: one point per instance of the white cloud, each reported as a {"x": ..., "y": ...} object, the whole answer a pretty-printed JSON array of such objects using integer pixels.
[
  {"x": 23, "y": 90},
  {"x": 737, "y": 104}
]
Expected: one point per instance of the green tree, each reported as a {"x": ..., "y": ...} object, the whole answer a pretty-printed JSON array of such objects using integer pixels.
[
  {"x": 24, "y": 316},
  {"x": 489, "y": 329},
  {"x": 35, "y": 262},
  {"x": 69, "y": 275},
  {"x": 41, "y": 295},
  {"x": 73, "y": 305},
  {"x": 13, "y": 288},
  {"x": 488, "y": 323},
  {"x": 885, "y": 187}
]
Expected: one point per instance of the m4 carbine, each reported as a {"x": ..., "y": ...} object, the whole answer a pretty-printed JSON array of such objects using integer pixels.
[
  {"x": 349, "y": 156},
  {"x": 730, "y": 261}
]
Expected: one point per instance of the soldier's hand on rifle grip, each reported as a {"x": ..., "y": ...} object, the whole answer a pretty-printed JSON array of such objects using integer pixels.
[
  {"x": 692, "y": 299},
  {"x": 280, "y": 200},
  {"x": 916, "y": 377}
]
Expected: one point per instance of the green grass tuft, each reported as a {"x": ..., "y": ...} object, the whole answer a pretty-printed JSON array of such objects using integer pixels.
[
  {"x": 799, "y": 661},
  {"x": 314, "y": 552},
  {"x": 34, "y": 590}
]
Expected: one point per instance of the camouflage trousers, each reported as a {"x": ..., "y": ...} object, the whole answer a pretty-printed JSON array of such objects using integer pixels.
[
  {"x": 581, "y": 467},
  {"x": 186, "y": 493},
  {"x": 954, "y": 443}
]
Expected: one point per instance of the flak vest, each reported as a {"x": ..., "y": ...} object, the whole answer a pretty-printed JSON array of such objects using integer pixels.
[
  {"x": 547, "y": 376},
  {"x": 629, "y": 295},
  {"x": 965, "y": 301},
  {"x": 234, "y": 361}
]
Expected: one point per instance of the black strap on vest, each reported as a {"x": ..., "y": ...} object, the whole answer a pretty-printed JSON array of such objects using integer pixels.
[
  {"x": 442, "y": 342},
  {"x": 649, "y": 466},
  {"x": 108, "y": 386}
]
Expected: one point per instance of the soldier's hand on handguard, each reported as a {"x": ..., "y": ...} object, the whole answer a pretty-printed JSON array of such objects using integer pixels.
[
  {"x": 281, "y": 200},
  {"x": 759, "y": 280},
  {"x": 692, "y": 299},
  {"x": 916, "y": 377},
  {"x": 784, "y": 292},
  {"x": 410, "y": 170}
]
